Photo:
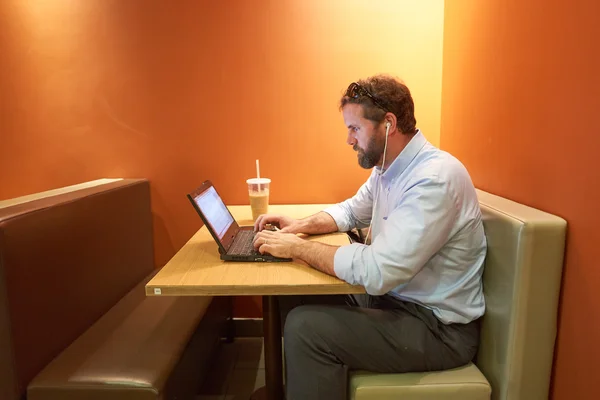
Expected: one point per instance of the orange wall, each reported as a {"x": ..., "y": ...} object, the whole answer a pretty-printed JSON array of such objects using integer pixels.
[
  {"x": 520, "y": 103},
  {"x": 183, "y": 91}
]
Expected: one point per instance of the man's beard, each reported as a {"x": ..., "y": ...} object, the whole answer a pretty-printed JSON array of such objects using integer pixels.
[{"x": 369, "y": 157}]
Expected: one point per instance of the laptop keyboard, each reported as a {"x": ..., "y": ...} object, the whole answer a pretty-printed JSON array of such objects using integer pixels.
[{"x": 242, "y": 244}]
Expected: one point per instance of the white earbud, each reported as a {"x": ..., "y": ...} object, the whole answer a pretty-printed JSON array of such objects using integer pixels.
[{"x": 387, "y": 129}]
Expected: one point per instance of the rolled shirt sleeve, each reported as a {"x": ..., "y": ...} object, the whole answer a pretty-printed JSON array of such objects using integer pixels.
[{"x": 413, "y": 232}]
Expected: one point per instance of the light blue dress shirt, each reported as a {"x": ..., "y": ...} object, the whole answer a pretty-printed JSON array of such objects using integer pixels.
[{"x": 428, "y": 243}]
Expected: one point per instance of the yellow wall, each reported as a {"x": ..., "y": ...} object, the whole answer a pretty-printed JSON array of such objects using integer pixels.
[{"x": 188, "y": 90}]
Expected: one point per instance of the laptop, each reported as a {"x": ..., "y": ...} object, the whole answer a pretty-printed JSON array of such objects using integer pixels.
[{"x": 234, "y": 241}]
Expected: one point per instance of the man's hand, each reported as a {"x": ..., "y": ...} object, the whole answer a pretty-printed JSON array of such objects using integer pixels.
[
  {"x": 278, "y": 244},
  {"x": 287, "y": 245},
  {"x": 286, "y": 224},
  {"x": 318, "y": 223}
]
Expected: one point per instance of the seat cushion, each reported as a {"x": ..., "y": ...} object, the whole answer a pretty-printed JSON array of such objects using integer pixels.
[
  {"x": 464, "y": 383},
  {"x": 128, "y": 354}
]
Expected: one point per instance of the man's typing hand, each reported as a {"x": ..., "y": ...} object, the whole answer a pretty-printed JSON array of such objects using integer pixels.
[
  {"x": 278, "y": 244},
  {"x": 285, "y": 224}
]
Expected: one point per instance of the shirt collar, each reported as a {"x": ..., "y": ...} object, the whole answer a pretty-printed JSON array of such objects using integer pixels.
[{"x": 405, "y": 157}]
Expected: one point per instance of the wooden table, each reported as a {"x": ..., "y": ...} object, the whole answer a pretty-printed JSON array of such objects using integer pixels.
[{"x": 197, "y": 270}]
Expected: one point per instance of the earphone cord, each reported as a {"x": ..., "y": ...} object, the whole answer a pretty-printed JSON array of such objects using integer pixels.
[{"x": 377, "y": 185}]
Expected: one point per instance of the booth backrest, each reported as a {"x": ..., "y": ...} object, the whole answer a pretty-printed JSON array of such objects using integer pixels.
[
  {"x": 521, "y": 280},
  {"x": 66, "y": 257}
]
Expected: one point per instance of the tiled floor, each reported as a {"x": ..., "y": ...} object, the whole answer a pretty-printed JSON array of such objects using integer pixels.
[{"x": 238, "y": 372}]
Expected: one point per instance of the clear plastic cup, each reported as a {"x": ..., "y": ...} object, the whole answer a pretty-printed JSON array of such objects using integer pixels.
[{"x": 258, "y": 190}]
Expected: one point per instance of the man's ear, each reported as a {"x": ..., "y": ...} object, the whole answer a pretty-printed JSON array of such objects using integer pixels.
[{"x": 391, "y": 119}]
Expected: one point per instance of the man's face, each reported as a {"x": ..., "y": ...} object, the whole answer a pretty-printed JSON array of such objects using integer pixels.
[{"x": 363, "y": 136}]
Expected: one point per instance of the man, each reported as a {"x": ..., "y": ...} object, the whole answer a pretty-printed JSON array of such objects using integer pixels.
[{"x": 422, "y": 269}]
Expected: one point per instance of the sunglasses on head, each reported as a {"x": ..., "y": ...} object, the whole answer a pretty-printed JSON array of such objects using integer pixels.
[{"x": 355, "y": 91}]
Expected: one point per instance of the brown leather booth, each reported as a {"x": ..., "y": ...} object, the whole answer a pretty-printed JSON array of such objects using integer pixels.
[{"x": 76, "y": 323}]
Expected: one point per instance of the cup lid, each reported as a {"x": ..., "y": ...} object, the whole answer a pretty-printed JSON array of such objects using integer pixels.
[{"x": 258, "y": 181}]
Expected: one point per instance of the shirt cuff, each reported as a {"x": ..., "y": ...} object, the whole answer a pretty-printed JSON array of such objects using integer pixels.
[
  {"x": 339, "y": 216},
  {"x": 343, "y": 262}
]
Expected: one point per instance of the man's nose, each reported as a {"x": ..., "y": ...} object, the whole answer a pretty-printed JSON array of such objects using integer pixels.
[{"x": 351, "y": 140}]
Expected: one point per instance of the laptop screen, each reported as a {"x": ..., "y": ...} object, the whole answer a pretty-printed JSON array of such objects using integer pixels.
[{"x": 214, "y": 211}]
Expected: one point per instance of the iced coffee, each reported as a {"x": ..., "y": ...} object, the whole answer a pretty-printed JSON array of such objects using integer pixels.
[{"x": 258, "y": 190}]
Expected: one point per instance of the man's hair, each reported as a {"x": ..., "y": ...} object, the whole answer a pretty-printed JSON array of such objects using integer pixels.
[{"x": 392, "y": 94}]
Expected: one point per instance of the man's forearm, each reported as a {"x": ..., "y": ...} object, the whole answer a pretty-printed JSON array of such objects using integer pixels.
[
  {"x": 318, "y": 255},
  {"x": 318, "y": 224}
]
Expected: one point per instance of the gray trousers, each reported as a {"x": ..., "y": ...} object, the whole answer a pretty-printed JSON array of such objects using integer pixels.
[{"x": 326, "y": 336}]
